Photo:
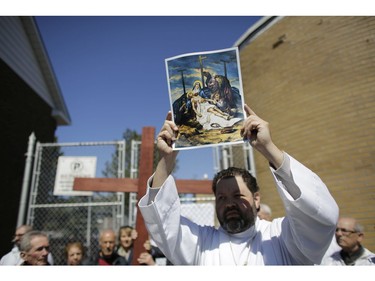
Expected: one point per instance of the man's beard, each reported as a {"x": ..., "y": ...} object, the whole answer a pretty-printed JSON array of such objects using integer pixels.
[
  {"x": 234, "y": 225},
  {"x": 240, "y": 224}
]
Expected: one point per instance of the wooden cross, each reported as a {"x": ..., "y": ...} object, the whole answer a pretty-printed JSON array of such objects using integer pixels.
[{"x": 139, "y": 185}]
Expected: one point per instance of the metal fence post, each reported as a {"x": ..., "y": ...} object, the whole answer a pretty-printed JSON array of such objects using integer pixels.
[{"x": 26, "y": 180}]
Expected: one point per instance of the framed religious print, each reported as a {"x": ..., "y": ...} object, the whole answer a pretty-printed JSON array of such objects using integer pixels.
[{"x": 206, "y": 98}]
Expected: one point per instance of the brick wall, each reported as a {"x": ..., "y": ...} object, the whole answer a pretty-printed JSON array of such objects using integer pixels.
[{"x": 313, "y": 79}]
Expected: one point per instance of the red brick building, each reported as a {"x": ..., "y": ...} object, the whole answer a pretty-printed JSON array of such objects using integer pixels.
[{"x": 313, "y": 79}]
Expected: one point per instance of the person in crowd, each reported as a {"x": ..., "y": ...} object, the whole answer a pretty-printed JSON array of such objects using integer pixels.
[
  {"x": 349, "y": 236},
  {"x": 14, "y": 257},
  {"x": 74, "y": 253},
  {"x": 265, "y": 212},
  {"x": 34, "y": 248},
  {"x": 107, "y": 254},
  {"x": 127, "y": 235},
  {"x": 301, "y": 237},
  {"x": 152, "y": 255},
  {"x": 146, "y": 258},
  {"x": 333, "y": 247}
]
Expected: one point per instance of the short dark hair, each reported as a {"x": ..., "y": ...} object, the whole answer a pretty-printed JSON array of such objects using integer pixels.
[{"x": 250, "y": 181}]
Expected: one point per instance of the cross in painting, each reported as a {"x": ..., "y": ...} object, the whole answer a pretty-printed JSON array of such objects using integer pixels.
[{"x": 139, "y": 186}]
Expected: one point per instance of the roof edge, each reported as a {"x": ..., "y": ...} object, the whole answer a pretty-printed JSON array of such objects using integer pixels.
[
  {"x": 59, "y": 109},
  {"x": 256, "y": 29}
]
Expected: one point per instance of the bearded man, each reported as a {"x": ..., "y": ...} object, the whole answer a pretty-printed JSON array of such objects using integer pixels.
[{"x": 301, "y": 237}]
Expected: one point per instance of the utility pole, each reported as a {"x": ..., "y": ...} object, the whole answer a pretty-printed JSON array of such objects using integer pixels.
[{"x": 26, "y": 179}]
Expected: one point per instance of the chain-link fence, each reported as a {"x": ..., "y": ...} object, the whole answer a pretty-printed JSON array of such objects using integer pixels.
[
  {"x": 239, "y": 155},
  {"x": 75, "y": 217},
  {"x": 81, "y": 218},
  {"x": 197, "y": 207}
]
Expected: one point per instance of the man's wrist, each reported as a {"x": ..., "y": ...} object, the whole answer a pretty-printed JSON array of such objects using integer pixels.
[{"x": 274, "y": 155}]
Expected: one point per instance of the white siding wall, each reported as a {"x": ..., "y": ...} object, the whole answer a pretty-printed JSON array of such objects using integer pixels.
[
  {"x": 22, "y": 49},
  {"x": 16, "y": 51}
]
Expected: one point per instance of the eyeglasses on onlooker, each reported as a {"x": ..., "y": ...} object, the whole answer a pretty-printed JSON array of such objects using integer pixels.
[{"x": 345, "y": 231}]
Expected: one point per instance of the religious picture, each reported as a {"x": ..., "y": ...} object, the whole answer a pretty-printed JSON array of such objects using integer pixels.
[{"x": 206, "y": 96}]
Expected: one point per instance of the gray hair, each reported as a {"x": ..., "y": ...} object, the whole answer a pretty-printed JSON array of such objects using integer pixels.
[
  {"x": 265, "y": 208},
  {"x": 25, "y": 244},
  {"x": 26, "y": 227},
  {"x": 359, "y": 228}
]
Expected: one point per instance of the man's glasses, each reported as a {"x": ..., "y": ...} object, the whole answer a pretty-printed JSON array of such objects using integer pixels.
[{"x": 345, "y": 231}]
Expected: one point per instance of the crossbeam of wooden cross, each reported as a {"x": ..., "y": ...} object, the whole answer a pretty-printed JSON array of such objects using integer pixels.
[{"x": 146, "y": 166}]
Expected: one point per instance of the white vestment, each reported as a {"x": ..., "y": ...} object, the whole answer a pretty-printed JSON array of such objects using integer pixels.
[{"x": 301, "y": 237}]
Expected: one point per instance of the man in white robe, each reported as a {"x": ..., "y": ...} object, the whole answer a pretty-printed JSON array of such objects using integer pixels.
[{"x": 302, "y": 237}]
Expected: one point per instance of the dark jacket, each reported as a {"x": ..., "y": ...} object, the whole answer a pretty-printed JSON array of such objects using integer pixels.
[{"x": 114, "y": 259}]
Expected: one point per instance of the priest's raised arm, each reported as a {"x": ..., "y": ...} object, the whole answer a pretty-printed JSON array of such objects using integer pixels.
[{"x": 301, "y": 237}]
